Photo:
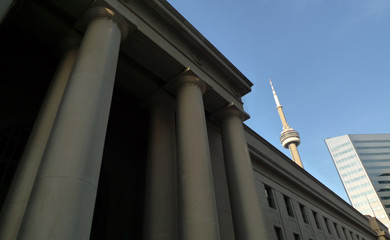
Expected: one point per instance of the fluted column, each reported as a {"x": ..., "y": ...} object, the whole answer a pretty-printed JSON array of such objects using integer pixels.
[
  {"x": 248, "y": 219},
  {"x": 160, "y": 217},
  {"x": 62, "y": 201},
  {"x": 19, "y": 193},
  {"x": 197, "y": 208}
]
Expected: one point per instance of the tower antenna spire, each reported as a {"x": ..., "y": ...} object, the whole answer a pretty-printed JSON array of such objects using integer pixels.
[{"x": 289, "y": 137}]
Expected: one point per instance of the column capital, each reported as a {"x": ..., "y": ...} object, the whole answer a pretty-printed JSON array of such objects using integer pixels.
[
  {"x": 187, "y": 77},
  {"x": 102, "y": 10},
  {"x": 230, "y": 110}
]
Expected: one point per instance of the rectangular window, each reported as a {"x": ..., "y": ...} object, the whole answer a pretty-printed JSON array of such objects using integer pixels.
[
  {"x": 327, "y": 226},
  {"x": 317, "y": 220},
  {"x": 297, "y": 237},
  {"x": 304, "y": 214},
  {"x": 337, "y": 231},
  {"x": 289, "y": 207},
  {"x": 278, "y": 232},
  {"x": 270, "y": 196},
  {"x": 344, "y": 232}
]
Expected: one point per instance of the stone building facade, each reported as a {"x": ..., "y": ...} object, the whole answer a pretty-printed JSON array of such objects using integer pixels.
[{"x": 121, "y": 121}]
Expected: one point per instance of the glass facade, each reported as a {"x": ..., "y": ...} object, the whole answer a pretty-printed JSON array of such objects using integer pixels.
[{"x": 363, "y": 163}]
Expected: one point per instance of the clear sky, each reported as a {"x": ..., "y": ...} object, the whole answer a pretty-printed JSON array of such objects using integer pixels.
[{"x": 329, "y": 61}]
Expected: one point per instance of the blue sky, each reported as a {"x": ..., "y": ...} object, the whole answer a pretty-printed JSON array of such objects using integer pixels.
[{"x": 329, "y": 61}]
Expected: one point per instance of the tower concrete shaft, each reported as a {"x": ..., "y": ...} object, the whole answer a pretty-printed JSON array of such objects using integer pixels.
[{"x": 289, "y": 137}]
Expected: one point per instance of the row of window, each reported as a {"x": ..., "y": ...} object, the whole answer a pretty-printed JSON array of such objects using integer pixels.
[
  {"x": 383, "y": 182},
  {"x": 371, "y": 141},
  {"x": 364, "y": 202},
  {"x": 374, "y": 154},
  {"x": 356, "y": 179},
  {"x": 370, "y": 211},
  {"x": 352, "y": 172},
  {"x": 340, "y": 146},
  {"x": 377, "y": 167},
  {"x": 345, "y": 159},
  {"x": 343, "y": 152},
  {"x": 361, "y": 194},
  {"x": 376, "y": 147},
  {"x": 348, "y": 165},
  {"x": 359, "y": 186},
  {"x": 287, "y": 201},
  {"x": 302, "y": 208},
  {"x": 378, "y": 174},
  {"x": 375, "y": 160},
  {"x": 279, "y": 233},
  {"x": 384, "y": 190}
]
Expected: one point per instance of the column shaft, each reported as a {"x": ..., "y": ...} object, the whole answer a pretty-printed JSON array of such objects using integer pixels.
[
  {"x": 62, "y": 201},
  {"x": 160, "y": 219},
  {"x": 247, "y": 216},
  {"x": 19, "y": 193},
  {"x": 5, "y": 6},
  {"x": 197, "y": 208}
]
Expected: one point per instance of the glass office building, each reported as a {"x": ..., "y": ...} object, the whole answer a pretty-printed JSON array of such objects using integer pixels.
[{"x": 363, "y": 163}]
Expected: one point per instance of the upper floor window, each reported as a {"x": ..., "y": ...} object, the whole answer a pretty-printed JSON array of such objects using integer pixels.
[
  {"x": 327, "y": 226},
  {"x": 289, "y": 206},
  {"x": 304, "y": 214},
  {"x": 296, "y": 236},
  {"x": 317, "y": 220},
  {"x": 278, "y": 233},
  {"x": 270, "y": 196},
  {"x": 337, "y": 231}
]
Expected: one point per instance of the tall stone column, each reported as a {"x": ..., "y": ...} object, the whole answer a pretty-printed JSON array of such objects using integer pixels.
[
  {"x": 160, "y": 217},
  {"x": 62, "y": 201},
  {"x": 19, "y": 193},
  {"x": 5, "y": 6},
  {"x": 248, "y": 219},
  {"x": 197, "y": 208}
]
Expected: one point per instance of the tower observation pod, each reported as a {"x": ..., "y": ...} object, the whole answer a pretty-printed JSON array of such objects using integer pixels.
[{"x": 289, "y": 137}]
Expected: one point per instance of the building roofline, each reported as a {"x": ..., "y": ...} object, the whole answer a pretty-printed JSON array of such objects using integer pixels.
[{"x": 188, "y": 29}]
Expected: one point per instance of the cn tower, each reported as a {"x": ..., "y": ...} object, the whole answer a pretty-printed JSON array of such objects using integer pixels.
[{"x": 289, "y": 137}]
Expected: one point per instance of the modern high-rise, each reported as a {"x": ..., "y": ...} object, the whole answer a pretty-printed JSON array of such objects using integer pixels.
[{"x": 363, "y": 163}]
